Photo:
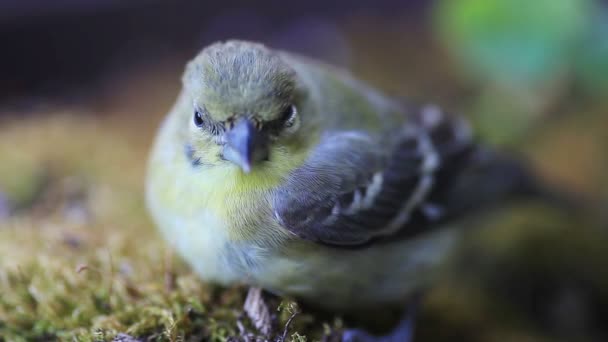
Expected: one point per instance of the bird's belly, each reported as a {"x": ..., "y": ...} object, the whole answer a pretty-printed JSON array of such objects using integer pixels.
[
  {"x": 331, "y": 277},
  {"x": 344, "y": 279},
  {"x": 202, "y": 241},
  {"x": 191, "y": 208}
]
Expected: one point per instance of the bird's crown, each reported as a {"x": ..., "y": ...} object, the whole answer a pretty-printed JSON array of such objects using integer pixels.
[{"x": 238, "y": 77}]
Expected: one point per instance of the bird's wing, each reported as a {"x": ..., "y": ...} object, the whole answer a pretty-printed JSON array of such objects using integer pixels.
[{"x": 352, "y": 191}]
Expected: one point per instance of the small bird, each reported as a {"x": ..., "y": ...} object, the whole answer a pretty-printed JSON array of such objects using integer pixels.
[{"x": 285, "y": 173}]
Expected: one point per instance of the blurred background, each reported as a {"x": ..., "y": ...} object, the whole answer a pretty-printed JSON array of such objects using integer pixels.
[{"x": 84, "y": 85}]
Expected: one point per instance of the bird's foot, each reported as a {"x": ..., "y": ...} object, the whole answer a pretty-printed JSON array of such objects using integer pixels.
[
  {"x": 257, "y": 310},
  {"x": 404, "y": 332}
]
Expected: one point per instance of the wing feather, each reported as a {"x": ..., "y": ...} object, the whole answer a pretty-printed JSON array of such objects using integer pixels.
[{"x": 352, "y": 190}]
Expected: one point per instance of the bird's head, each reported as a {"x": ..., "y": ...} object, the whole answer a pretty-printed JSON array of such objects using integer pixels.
[{"x": 245, "y": 103}]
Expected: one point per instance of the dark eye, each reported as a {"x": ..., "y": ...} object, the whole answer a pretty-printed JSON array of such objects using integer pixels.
[
  {"x": 198, "y": 118},
  {"x": 289, "y": 115}
]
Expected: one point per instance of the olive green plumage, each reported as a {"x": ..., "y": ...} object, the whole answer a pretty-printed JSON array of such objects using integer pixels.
[
  {"x": 228, "y": 78},
  {"x": 283, "y": 172}
]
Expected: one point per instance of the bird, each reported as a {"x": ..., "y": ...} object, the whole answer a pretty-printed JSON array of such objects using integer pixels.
[{"x": 285, "y": 173}]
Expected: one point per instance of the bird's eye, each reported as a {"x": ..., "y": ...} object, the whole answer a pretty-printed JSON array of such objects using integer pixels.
[
  {"x": 288, "y": 116},
  {"x": 198, "y": 118}
]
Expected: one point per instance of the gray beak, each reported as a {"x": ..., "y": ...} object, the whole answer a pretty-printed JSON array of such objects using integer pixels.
[{"x": 245, "y": 145}]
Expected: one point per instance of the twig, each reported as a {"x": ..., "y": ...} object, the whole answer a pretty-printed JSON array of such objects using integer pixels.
[{"x": 287, "y": 324}]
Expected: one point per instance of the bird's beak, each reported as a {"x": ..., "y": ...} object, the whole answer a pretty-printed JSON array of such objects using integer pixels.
[{"x": 245, "y": 145}]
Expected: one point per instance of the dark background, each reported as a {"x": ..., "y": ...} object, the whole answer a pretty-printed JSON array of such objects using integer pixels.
[{"x": 68, "y": 47}]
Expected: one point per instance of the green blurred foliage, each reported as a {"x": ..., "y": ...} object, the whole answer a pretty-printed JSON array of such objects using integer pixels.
[
  {"x": 514, "y": 42},
  {"x": 591, "y": 62},
  {"x": 525, "y": 56},
  {"x": 21, "y": 188}
]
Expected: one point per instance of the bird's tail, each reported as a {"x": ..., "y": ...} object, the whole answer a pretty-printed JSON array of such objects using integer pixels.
[{"x": 493, "y": 178}]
